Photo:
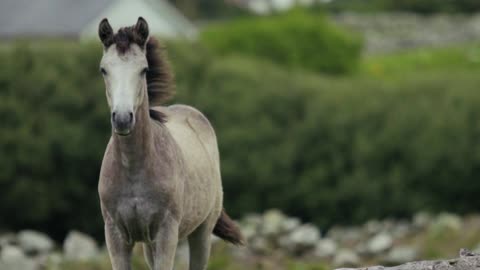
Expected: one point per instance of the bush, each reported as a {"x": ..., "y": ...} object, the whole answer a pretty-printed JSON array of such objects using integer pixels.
[
  {"x": 295, "y": 40},
  {"x": 329, "y": 150}
]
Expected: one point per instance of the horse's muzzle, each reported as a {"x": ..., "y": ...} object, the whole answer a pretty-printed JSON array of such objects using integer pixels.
[{"x": 122, "y": 122}]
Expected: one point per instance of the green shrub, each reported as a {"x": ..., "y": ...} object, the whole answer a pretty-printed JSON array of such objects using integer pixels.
[
  {"x": 296, "y": 40},
  {"x": 329, "y": 150}
]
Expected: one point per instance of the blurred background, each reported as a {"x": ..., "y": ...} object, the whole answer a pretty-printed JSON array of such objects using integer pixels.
[{"x": 348, "y": 130}]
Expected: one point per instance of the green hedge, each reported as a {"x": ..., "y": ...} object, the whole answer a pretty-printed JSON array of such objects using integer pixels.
[
  {"x": 330, "y": 150},
  {"x": 297, "y": 40}
]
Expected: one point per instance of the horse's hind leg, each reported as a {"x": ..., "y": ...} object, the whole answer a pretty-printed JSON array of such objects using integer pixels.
[{"x": 199, "y": 245}]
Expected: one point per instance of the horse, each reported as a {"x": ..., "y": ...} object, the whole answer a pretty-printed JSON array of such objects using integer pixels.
[{"x": 160, "y": 177}]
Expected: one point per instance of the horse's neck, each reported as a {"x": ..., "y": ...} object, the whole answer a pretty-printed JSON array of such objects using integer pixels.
[{"x": 133, "y": 150}]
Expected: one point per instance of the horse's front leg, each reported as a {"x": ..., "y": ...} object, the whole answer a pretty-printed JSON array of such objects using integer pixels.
[
  {"x": 119, "y": 250},
  {"x": 165, "y": 245}
]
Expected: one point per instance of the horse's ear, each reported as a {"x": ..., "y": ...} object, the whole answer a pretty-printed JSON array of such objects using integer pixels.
[
  {"x": 141, "y": 28},
  {"x": 105, "y": 32}
]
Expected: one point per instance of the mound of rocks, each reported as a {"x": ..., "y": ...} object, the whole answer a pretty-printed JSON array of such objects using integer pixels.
[
  {"x": 31, "y": 250},
  {"x": 382, "y": 241}
]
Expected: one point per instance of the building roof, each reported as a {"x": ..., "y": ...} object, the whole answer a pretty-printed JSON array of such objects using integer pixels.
[{"x": 80, "y": 18}]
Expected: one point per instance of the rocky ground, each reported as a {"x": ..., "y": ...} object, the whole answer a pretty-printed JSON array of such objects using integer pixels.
[
  {"x": 388, "y": 32},
  {"x": 275, "y": 241}
]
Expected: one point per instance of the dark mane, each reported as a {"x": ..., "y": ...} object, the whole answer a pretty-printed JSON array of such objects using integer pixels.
[{"x": 160, "y": 82}]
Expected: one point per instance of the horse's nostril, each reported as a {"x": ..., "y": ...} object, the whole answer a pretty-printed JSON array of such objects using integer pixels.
[{"x": 113, "y": 116}]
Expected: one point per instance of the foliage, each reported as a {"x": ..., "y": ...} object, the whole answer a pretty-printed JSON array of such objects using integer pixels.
[
  {"x": 327, "y": 149},
  {"x": 296, "y": 40}
]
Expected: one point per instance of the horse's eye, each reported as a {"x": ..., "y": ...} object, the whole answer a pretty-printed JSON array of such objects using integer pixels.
[
  {"x": 144, "y": 71},
  {"x": 103, "y": 71}
]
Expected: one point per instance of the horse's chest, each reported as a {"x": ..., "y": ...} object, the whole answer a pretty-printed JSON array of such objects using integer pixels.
[{"x": 137, "y": 215}]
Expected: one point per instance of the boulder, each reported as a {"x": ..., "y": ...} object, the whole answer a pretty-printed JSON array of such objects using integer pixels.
[
  {"x": 400, "y": 255},
  {"x": 79, "y": 246},
  {"x": 302, "y": 239},
  {"x": 325, "y": 248},
  {"x": 13, "y": 258},
  {"x": 379, "y": 243},
  {"x": 445, "y": 222},
  {"x": 346, "y": 258},
  {"x": 32, "y": 242},
  {"x": 273, "y": 221},
  {"x": 421, "y": 220}
]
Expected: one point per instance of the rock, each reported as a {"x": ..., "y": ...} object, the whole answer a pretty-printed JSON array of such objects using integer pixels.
[
  {"x": 346, "y": 236},
  {"x": 290, "y": 224},
  {"x": 33, "y": 242},
  {"x": 325, "y": 248},
  {"x": 379, "y": 243},
  {"x": 422, "y": 220},
  {"x": 401, "y": 254},
  {"x": 445, "y": 222},
  {"x": 301, "y": 239},
  {"x": 13, "y": 258},
  {"x": 372, "y": 227},
  {"x": 272, "y": 223},
  {"x": 401, "y": 230},
  {"x": 346, "y": 258},
  {"x": 79, "y": 246},
  {"x": 7, "y": 239},
  {"x": 260, "y": 245}
]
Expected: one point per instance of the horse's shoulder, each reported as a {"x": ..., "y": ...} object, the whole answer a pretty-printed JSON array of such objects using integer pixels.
[{"x": 187, "y": 116}]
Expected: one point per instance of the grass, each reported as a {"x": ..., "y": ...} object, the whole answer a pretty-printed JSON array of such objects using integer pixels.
[{"x": 466, "y": 57}]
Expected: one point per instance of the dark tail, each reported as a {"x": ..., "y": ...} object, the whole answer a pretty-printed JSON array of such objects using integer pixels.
[{"x": 228, "y": 230}]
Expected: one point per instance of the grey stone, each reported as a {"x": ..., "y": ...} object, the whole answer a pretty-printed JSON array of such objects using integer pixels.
[
  {"x": 33, "y": 242},
  {"x": 379, "y": 243},
  {"x": 79, "y": 246},
  {"x": 346, "y": 236},
  {"x": 13, "y": 258},
  {"x": 346, "y": 258},
  {"x": 401, "y": 254},
  {"x": 260, "y": 245},
  {"x": 445, "y": 222},
  {"x": 422, "y": 220},
  {"x": 272, "y": 222},
  {"x": 301, "y": 239},
  {"x": 325, "y": 248},
  {"x": 7, "y": 239},
  {"x": 290, "y": 224}
]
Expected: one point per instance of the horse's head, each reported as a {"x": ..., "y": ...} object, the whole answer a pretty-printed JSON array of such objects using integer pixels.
[{"x": 124, "y": 67}]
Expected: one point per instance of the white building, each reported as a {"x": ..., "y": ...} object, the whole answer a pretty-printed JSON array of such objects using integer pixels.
[{"x": 80, "y": 18}]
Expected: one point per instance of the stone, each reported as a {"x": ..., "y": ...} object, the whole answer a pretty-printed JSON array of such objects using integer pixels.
[
  {"x": 272, "y": 222},
  {"x": 32, "y": 242},
  {"x": 301, "y": 239},
  {"x": 346, "y": 236},
  {"x": 7, "y": 239},
  {"x": 346, "y": 258},
  {"x": 290, "y": 224},
  {"x": 260, "y": 245},
  {"x": 379, "y": 243},
  {"x": 13, "y": 258},
  {"x": 422, "y": 220},
  {"x": 79, "y": 247},
  {"x": 400, "y": 255},
  {"x": 325, "y": 248},
  {"x": 401, "y": 229},
  {"x": 445, "y": 222}
]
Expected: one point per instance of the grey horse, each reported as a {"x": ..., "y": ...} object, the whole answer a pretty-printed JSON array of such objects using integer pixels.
[{"x": 160, "y": 177}]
